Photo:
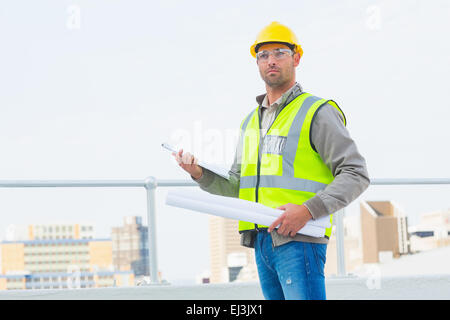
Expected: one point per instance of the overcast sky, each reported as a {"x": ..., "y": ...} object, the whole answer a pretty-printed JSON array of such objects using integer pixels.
[{"x": 90, "y": 89}]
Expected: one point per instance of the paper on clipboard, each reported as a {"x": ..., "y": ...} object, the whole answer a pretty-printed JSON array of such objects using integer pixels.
[{"x": 223, "y": 172}]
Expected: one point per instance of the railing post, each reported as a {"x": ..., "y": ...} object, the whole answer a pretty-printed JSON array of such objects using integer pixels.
[
  {"x": 150, "y": 186},
  {"x": 340, "y": 250}
]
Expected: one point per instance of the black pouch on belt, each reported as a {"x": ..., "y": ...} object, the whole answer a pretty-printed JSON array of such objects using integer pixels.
[{"x": 248, "y": 238}]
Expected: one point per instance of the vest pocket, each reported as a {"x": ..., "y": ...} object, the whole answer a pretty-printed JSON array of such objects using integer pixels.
[
  {"x": 274, "y": 144},
  {"x": 271, "y": 155}
]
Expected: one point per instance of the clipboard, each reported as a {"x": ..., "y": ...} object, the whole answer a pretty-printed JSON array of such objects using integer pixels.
[{"x": 223, "y": 172}]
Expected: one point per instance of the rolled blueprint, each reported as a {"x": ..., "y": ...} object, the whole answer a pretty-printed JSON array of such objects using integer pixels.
[
  {"x": 216, "y": 209},
  {"x": 237, "y": 203}
]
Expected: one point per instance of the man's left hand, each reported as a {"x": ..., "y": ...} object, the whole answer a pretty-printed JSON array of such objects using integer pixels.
[{"x": 293, "y": 219}]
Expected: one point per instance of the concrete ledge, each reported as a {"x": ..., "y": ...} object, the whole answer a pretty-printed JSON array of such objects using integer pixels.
[
  {"x": 347, "y": 288},
  {"x": 420, "y": 287}
]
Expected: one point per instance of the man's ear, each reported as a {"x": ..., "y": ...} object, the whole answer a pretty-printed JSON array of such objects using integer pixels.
[{"x": 296, "y": 59}]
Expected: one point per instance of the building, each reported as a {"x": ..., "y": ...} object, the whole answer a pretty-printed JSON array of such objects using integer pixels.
[
  {"x": 59, "y": 263},
  {"x": 49, "y": 231},
  {"x": 433, "y": 231},
  {"x": 66, "y": 280},
  {"x": 437, "y": 221},
  {"x": 130, "y": 247},
  {"x": 229, "y": 260},
  {"x": 384, "y": 230},
  {"x": 43, "y": 256}
]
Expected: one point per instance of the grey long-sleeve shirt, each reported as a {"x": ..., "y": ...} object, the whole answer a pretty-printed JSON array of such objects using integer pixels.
[{"x": 332, "y": 141}]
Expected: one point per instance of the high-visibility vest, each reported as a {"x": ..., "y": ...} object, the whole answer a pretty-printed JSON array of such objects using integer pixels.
[{"x": 283, "y": 167}]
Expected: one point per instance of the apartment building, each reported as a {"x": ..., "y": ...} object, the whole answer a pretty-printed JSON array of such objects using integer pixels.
[
  {"x": 30, "y": 264},
  {"x": 54, "y": 231},
  {"x": 66, "y": 280}
]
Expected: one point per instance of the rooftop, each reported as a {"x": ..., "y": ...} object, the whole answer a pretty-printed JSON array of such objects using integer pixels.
[
  {"x": 430, "y": 262},
  {"x": 424, "y": 275}
]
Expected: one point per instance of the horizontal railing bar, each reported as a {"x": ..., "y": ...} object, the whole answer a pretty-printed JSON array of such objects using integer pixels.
[
  {"x": 395, "y": 181},
  {"x": 90, "y": 183},
  {"x": 70, "y": 183},
  {"x": 178, "y": 183}
]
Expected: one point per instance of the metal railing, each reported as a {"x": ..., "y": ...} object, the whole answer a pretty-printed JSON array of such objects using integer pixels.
[{"x": 151, "y": 183}]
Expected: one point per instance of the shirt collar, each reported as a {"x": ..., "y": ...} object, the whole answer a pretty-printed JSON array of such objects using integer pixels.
[{"x": 262, "y": 99}]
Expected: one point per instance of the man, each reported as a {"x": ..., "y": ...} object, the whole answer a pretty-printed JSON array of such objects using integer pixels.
[{"x": 294, "y": 154}]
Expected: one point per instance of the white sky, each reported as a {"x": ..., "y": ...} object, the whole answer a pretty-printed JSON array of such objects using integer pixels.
[{"x": 95, "y": 102}]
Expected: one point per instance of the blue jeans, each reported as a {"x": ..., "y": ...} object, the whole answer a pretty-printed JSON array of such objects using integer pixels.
[{"x": 292, "y": 271}]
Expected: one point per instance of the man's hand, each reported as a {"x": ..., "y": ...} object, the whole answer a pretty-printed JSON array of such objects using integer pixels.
[
  {"x": 293, "y": 219},
  {"x": 189, "y": 163}
]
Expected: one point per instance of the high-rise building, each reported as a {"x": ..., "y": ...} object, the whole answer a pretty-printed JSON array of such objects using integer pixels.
[
  {"x": 129, "y": 246},
  {"x": 229, "y": 260},
  {"x": 384, "y": 229}
]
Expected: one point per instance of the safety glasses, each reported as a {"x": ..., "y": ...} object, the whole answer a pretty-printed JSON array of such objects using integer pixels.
[{"x": 278, "y": 54}]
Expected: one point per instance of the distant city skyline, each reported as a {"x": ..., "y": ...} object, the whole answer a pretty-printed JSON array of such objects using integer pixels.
[{"x": 51, "y": 256}]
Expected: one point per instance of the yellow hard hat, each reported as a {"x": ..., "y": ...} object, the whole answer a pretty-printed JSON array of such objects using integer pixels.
[{"x": 276, "y": 32}]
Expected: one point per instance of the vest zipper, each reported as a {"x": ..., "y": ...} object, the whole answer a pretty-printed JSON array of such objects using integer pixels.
[{"x": 258, "y": 164}]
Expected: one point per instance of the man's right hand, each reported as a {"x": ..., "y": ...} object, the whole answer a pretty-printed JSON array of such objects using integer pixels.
[{"x": 189, "y": 163}]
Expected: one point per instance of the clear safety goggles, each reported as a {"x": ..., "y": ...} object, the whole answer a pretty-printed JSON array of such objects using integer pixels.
[{"x": 278, "y": 54}]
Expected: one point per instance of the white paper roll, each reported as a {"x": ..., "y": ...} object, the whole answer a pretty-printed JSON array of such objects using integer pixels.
[
  {"x": 234, "y": 213},
  {"x": 241, "y": 204}
]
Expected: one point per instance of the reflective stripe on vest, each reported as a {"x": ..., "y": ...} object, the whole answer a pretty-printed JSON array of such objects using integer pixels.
[{"x": 288, "y": 169}]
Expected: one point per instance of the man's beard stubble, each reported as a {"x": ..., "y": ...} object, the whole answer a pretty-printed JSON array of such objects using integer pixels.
[{"x": 277, "y": 82}]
